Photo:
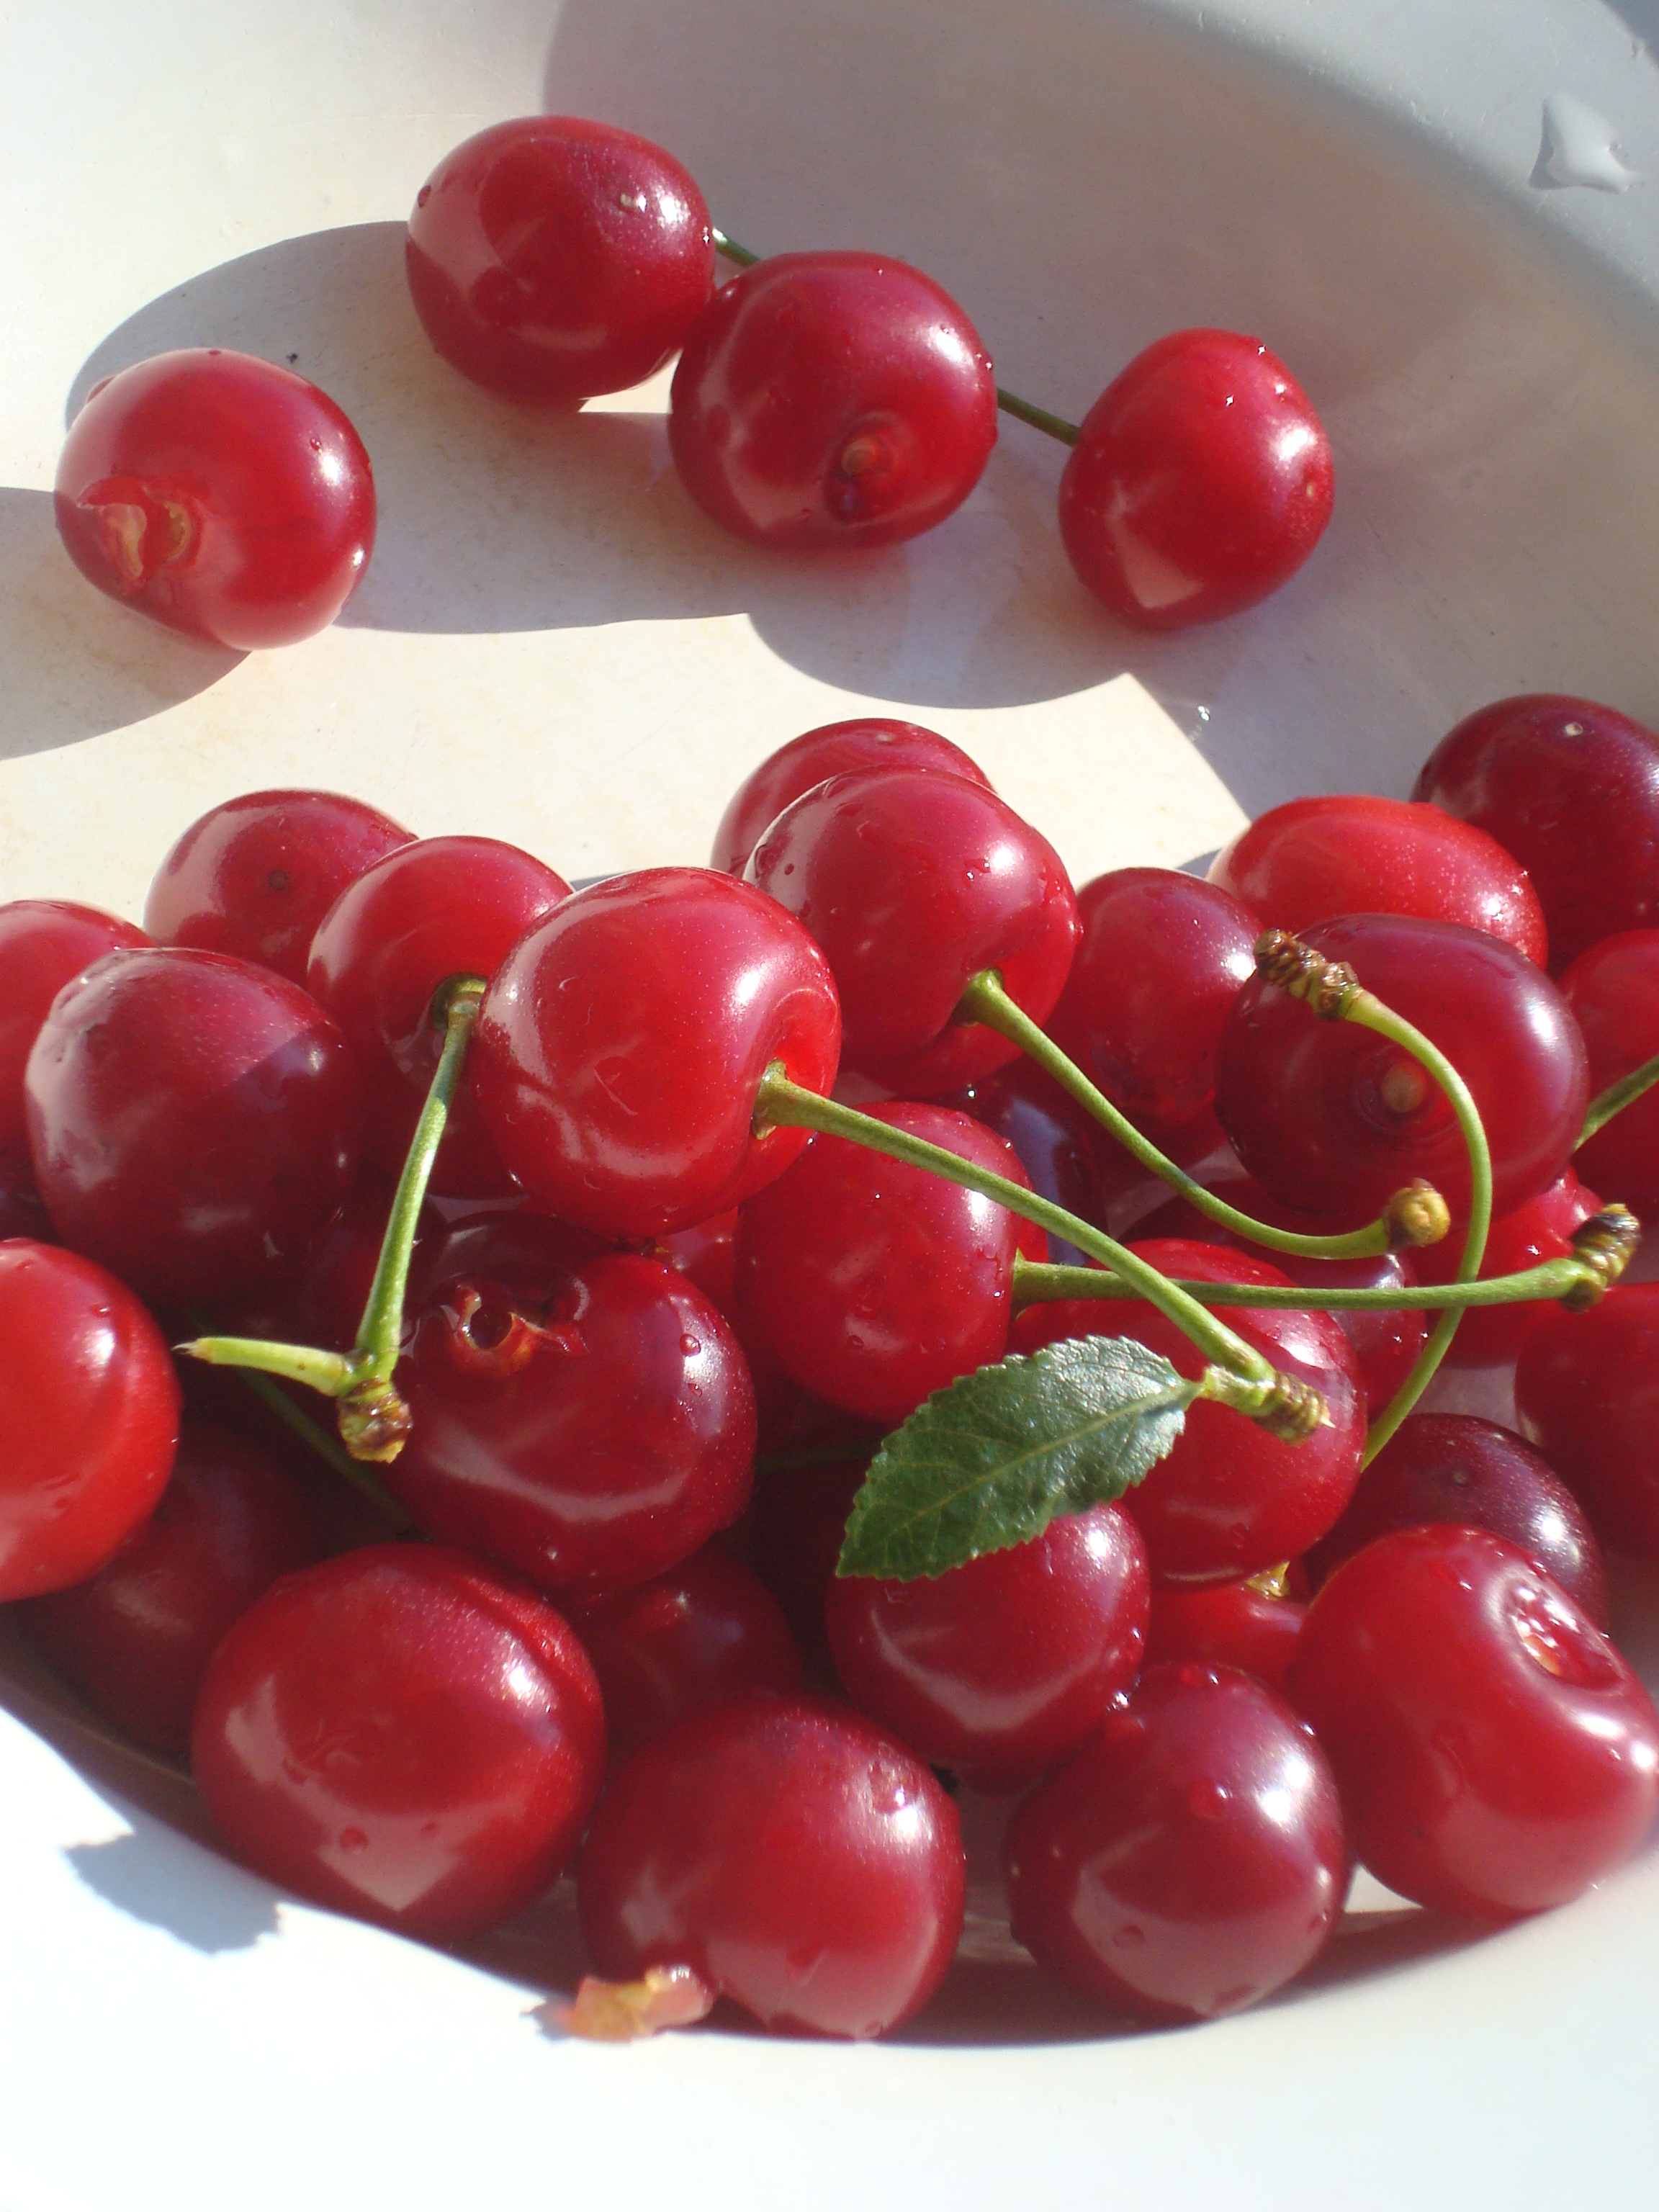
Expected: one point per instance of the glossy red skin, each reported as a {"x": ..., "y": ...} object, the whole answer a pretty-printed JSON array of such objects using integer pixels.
[
  {"x": 832, "y": 399},
  {"x": 194, "y": 1121},
  {"x": 89, "y": 1410},
  {"x": 1200, "y": 482},
  {"x": 1496, "y": 1754},
  {"x": 703, "y": 1633},
  {"x": 135, "y": 1640},
  {"x": 913, "y": 882},
  {"x": 1225, "y": 1624},
  {"x": 1612, "y": 988},
  {"x": 619, "y": 1049},
  {"x": 1229, "y": 1500},
  {"x": 401, "y": 1735},
  {"x": 550, "y": 258},
  {"x": 1471, "y": 1474},
  {"x": 1311, "y": 859},
  {"x": 261, "y": 475},
  {"x": 835, "y": 748},
  {"x": 1162, "y": 956},
  {"x": 44, "y": 943},
  {"x": 436, "y": 908},
  {"x": 1587, "y": 1393},
  {"x": 589, "y": 1441},
  {"x": 1004, "y": 1666},
  {"x": 253, "y": 877},
  {"x": 1491, "y": 1336},
  {"x": 1190, "y": 1860},
  {"x": 506, "y": 1241},
  {"x": 872, "y": 1283},
  {"x": 1305, "y": 1101},
  {"x": 1572, "y": 790},
  {"x": 797, "y": 1857}
]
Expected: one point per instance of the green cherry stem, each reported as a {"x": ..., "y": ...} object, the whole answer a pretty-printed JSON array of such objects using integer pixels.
[
  {"x": 784, "y": 1104},
  {"x": 1416, "y": 1216},
  {"x": 729, "y": 250},
  {"x": 1617, "y": 1095},
  {"x": 372, "y": 1418},
  {"x": 1055, "y": 426}
]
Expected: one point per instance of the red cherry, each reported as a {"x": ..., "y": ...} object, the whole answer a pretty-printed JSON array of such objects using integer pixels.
[
  {"x": 913, "y": 882},
  {"x": 1002, "y": 1667},
  {"x": 1190, "y": 1859},
  {"x": 89, "y": 1410},
  {"x": 220, "y": 494},
  {"x": 832, "y": 399},
  {"x": 253, "y": 877},
  {"x": 797, "y": 1857},
  {"x": 1612, "y": 988},
  {"x": 194, "y": 1121},
  {"x": 1200, "y": 482},
  {"x": 1587, "y": 1393},
  {"x": 1491, "y": 1336},
  {"x": 1496, "y": 1754},
  {"x": 1225, "y": 1624},
  {"x": 44, "y": 943},
  {"x": 1313, "y": 859},
  {"x": 398, "y": 1733},
  {"x": 551, "y": 258},
  {"x": 619, "y": 1050},
  {"x": 135, "y": 1639},
  {"x": 836, "y": 749}
]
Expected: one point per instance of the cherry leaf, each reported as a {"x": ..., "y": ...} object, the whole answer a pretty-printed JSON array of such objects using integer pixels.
[{"x": 990, "y": 1461}]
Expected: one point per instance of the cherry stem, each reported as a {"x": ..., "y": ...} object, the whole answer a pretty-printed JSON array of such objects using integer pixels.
[
  {"x": 372, "y": 1419},
  {"x": 729, "y": 250},
  {"x": 1617, "y": 1095},
  {"x": 986, "y": 1000},
  {"x": 784, "y": 1104},
  {"x": 1037, "y": 1283},
  {"x": 1055, "y": 426}
]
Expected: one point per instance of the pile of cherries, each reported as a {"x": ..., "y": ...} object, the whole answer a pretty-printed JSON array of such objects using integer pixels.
[
  {"x": 823, "y": 399},
  {"x": 632, "y": 1347}
]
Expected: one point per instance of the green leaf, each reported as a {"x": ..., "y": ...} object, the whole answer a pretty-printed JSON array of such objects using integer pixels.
[{"x": 991, "y": 1459}]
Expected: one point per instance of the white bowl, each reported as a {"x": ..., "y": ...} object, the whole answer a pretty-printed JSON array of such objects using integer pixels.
[{"x": 1439, "y": 216}]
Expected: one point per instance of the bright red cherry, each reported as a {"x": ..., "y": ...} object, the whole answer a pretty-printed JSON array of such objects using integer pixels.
[
  {"x": 1490, "y": 1336},
  {"x": 914, "y": 882},
  {"x": 796, "y": 1857},
  {"x": 135, "y": 1639},
  {"x": 1612, "y": 988},
  {"x": 551, "y": 258},
  {"x": 89, "y": 1410},
  {"x": 1230, "y": 1500},
  {"x": 619, "y": 1051},
  {"x": 254, "y": 877},
  {"x": 832, "y": 399},
  {"x": 195, "y": 1122},
  {"x": 1496, "y": 1754},
  {"x": 220, "y": 494},
  {"x": 436, "y": 908},
  {"x": 1200, "y": 482},
  {"x": 1333, "y": 1117},
  {"x": 400, "y": 1734},
  {"x": 836, "y": 749},
  {"x": 1190, "y": 1860},
  {"x": 1572, "y": 790},
  {"x": 1587, "y": 1393},
  {"x": 44, "y": 943},
  {"x": 1313, "y": 859},
  {"x": 1004, "y": 1666}
]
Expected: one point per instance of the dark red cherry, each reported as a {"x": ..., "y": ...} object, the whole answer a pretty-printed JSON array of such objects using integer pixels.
[
  {"x": 551, "y": 257},
  {"x": 832, "y": 399},
  {"x": 254, "y": 877},
  {"x": 836, "y": 749},
  {"x": 89, "y": 1411},
  {"x": 914, "y": 882},
  {"x": 1190, "y": 1860},
  {"x": 1496, "y": 1754},
  {"x": 44, "y": 943},
  {"x": 135, "y": 1640},
  {"x": 1587, "y": 1393},
  {"x": 1200, "y": 482},
  {"x": 796, "y": 1857},
  {"x": 1612, "y": 988},
  {"x": 620, "y": 1048},
  {"x": 194, "y": 1121},
  {"x": 401, "y": 1735},
  {"x": 1002, "y": 1667}
]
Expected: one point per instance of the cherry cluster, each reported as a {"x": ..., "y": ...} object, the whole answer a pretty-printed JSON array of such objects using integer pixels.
[
  {"x": 735, "y": 1468},
  {"x": 824, "y": 399}
]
